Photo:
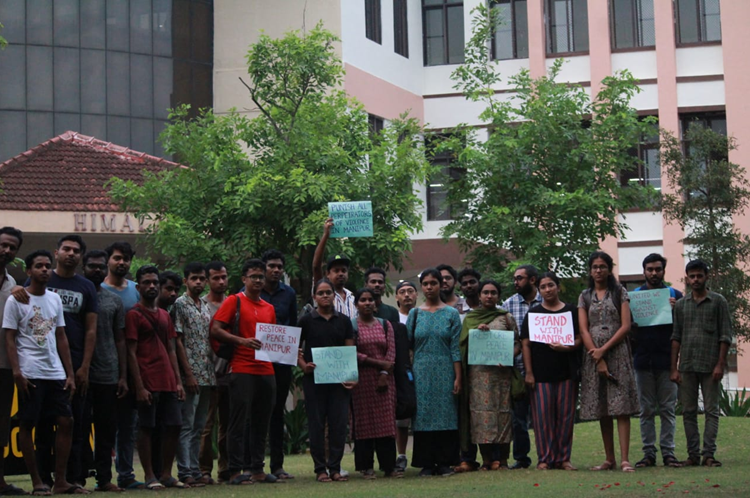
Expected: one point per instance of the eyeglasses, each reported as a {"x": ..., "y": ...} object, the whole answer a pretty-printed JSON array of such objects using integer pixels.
[
  {"x": 599, "y": 268},
  {"x": 255, "y": 277}
]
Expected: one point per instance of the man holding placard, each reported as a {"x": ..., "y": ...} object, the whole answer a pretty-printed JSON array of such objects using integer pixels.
[
  {"x": 337, "y": 271},
  {"x": 651, "y": 357}
]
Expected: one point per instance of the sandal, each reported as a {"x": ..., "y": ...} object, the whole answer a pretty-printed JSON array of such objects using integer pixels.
[
  {"x": 670, "y": 461},
  {"x": 154, "y": 485},
  {"x": 74, "y": 489},
  {"x": 111, "y": 487},
  {"x": 647, "y": 461},
  {"x": 542, "y": 466},
  {"x": 193, "y": 482},
  {"x": 395, "y": 474},
  {"x": 283, "y": 475},
  {"x": 692, "y": 461},
  {"x": 566, "y": 465},
  {"x": 337, "y": 477},
  {"x": 206, "y": 480},
  {"x": 626, "y": 467},
  {"x": 43, "y": 491},
  {"x": 323, "y": 477},
  {"x": 132, "y": 485},
  {"x": 368, "y": 474},
  {"x": 241, "y": 479},
  {"x": 607, "y": 465},
  {"x": 464, "y": 467},
  {"x": 171, "y": 482},
  {"x": 710, "y": 462}
]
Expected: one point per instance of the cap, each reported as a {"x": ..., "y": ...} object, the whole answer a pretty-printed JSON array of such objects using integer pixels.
[
  {"x": 405, "y": 283},
  {"x": 338, "y": 259}
]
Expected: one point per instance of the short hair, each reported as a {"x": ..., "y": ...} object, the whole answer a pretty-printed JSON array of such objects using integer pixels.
[
  {"x": 147, "y": 270},
  {"x": 449, "y": 269},
  {"x": 489, "y": 281},
  {"x": 29, "y": 261},
  {"x": 124, "y": 247},
  {"x": 94, "y": 253},
  {"x": 434, "y": 272},
  {"x": 471, "y": 272},
  {"x": 654, "y": 258},
  {"x": 194, "y": 267},
  {"x": 166, "y": 276},
  {"x": 72, "y": 238},
  {"x": 13, "y": 232},
  {"x": 552, "y": 276},
  {"x": 374, "y": 269},
  {"x": 321, "y": 282},
  {"x": 697, "y": 264},
  {"x": 273, "y": 254},
  {"x": 531, "y": 271},
  {"x": 252, "y": 264},
  {"x": 362, "y": 291},
  {"x": 215, "y": 266}
]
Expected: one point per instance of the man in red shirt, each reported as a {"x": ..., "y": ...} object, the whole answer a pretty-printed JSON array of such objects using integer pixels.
[
  {"x": 252, "y": 385},
  {"x": 153, "y": 367}
]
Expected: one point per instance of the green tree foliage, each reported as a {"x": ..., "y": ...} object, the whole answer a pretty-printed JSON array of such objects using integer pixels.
[
  {"x": 3, "y": 41},
  {"x": 254, "y": 184},
  {"x": 544, "y": 186},
  {"x": 708, "y": 192}
]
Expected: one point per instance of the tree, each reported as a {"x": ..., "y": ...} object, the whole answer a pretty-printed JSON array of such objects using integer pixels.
[
  {"x": 708, "y": 193},
  {"x": 544, "y": 186},
  {"x": 254, "y": 184},
  {"x": 3, "y": 41}
]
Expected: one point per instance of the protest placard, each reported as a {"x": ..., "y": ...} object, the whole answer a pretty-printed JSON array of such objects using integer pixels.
[
  {"x": 280, "y": 343},
  {"x": 651, "y": 307},
  {"x": 351, "y": 219},
  {"x": 334, "y": 365},
  {"x": 552, "y": 328},
  {"x": 491, "y": 347}
]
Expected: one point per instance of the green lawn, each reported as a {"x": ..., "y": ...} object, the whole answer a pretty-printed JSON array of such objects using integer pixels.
[{"x": 733, "y": 479}]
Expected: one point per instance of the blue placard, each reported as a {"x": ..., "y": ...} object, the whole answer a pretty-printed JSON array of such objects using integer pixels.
[
  {"x": 491, "y": 347},
  {"x": 335, "y": 365},
  {"x": 351, "y": 219},
  {"x": 651, "y": 307}
]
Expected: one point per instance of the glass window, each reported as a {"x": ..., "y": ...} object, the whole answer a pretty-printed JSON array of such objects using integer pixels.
[
  {"x": 202, "y": 32},
  {"x": 181, "y": 30},
  {"x": 67, "y": 122},
  {"x": 118, "y": 84},
  {"x": 94, "y": 84},
  {"x": 647, "y": 171},
  {"x": 698, "y": 21},
  {"x": 39, "y": 78},
  {"x": 38, "y": 128},
  {"x": 400, "y": 28},
  {"x": 13, "y": 17},
  {"x": 13, "y": 69},
  {"x": 202, "y": 87},
  {"x": 443, "y": 32},
  {"x": 567, "y": 26},
  {"x": 373, "y": 21},
  {"x": 182, "y": 90},
  {"x": 455, "y": 34},
  {"x": 12, "y": 134},
  {"x": 434, "y": 38},
  {"x": 141, "y": 86},
  {"x": 511, "y": 39},
  {"x": 94, "y": 126},
  {"x": 118, "y": 130},
  {"x": 162, "y": 19},
  {"x": 438, "y": 206},
  {"x": 142, "y": 135},
  {"x": 158, "y": 128},
  {"x": 162, "y": 87},
  {"x": 39, "y": 22},
  {"x": 140, "y": 26},
  {"x": 632, "y": 23},
  {"x": 66, "y": 23},
  {"x": 67, "y": 80},
  {"x": 118, "y": 28},
  {"x": 93, "y": 23}
]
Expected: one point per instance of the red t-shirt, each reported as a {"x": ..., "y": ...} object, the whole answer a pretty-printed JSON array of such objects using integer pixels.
[
  {"x": 153, "y": 359},
  {"x": 251, "y": 312}
]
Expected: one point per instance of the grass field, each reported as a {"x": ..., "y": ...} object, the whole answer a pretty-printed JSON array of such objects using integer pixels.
[{"x": 733, "y": 479}]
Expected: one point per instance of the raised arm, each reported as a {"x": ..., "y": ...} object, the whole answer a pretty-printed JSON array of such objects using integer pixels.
[{"x": 321, "y": 250}]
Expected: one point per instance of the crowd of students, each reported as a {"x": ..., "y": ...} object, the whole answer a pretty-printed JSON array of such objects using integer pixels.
[{"x": 149, "y": 368}]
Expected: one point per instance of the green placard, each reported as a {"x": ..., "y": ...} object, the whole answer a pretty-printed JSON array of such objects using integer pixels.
[
  {"x": 651, "y": 307},
  {"x": 335, "y": 365},
  {"x": 351, "y": 219},
  {"x": 491, "y": 347}
]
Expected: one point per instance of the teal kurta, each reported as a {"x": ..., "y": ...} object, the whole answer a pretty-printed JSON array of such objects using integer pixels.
[{"x": 435, "y": 340}]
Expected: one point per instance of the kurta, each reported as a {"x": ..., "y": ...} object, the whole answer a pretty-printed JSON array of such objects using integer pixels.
[
  {"x": 374, "y": 413},
  {"x": 435, "y": 340}
]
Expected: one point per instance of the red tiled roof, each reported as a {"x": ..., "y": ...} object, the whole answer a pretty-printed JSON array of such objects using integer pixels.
[{"x": 68, "y": 173}]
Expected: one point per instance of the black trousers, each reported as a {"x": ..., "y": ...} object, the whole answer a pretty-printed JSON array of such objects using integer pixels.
[
  {"x": 365, "y": 449},
  {"x": 104, "y": 415},
  {"x": 251, "y": 399},
  {"x": 283, "y": 374},
  {"x": 436, "y": 449},
  {"x": 326, "y": 403}
]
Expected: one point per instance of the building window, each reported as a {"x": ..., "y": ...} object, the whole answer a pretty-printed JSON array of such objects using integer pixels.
[
  {"x": 400, "y": 28},
  {"x": 717, "y": 121},
  {"x": 632, "y": 23},
  {"x": 439, "y": 206},
  {"x": 567, "y": 26},
  {"x": 511, "y": 38},
  {"x": 443, "y": 22},
  {"x": 373, "y": 24},
  {"x": 376, "y": 124},
  {"x": 698, "y": 21},
  {"x": 648, "y": 170}
]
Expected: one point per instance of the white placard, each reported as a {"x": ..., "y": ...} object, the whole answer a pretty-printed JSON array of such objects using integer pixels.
[
  {"x": 280, "y": 343},
  {"x": 551, "y": 328}
]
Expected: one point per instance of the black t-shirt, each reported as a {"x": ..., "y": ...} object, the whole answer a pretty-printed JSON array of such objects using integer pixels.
[
  {"x": 547, "y": 364},
  {"x": 317, "y": 332}
]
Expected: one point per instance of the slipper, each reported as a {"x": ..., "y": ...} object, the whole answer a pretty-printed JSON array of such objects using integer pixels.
[
  {"x": 566, "y": 465},
  {"x": 12, "y": 490},
  {"x": 133, "y": 485},
  {"x": 337, "y": 477},
  {"x": 626, "y": 467},
  {"x": 241, "y": 479},
  {"x": 710, "y": 462},
  {"x": 43, "y": 491},
  {"x": 692, "y": 461},
  {"x": 173, "y": 483},
  {"x": 267, "y": 478},
  {"x": 542, "y": 466},
  {"x": 323, "y": 477},
  {"x": 607, "y": 465},
  {"x": 74, "y": 489},
  {"x": 670, "y": 461},
  {"x": 154, "y": 485},
  {"x": 283, "y": 474},
  {"x": 193, "y": 482},
  {"x": 648, "y": 461},
  {"x": 110, "y": 487},
  {"x": 207, "y": 480}
]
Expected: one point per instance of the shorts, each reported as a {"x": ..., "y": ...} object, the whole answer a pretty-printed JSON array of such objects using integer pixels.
[
  {"x": 165, "y": 410},
  {"x": 404, "y": 423},
  {"x": 6, "y": 404},
  {"x": 48, "y": 399}
]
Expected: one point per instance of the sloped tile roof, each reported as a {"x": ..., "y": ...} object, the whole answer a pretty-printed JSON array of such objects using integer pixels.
[{"x": 68, "y": 173}]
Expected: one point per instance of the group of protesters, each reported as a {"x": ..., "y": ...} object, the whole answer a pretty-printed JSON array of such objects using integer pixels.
[{"x": 143, "y": 364}]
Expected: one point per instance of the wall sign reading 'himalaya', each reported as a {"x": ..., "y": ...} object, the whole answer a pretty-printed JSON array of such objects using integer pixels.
[
  {"x": 351, "y": 219},
  {"x": 107, "y": 223}
]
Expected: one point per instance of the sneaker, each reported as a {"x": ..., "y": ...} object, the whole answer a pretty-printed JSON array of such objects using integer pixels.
[
  {"x": 343, "y": 473},
  {"x": 445, "y": 471},
  {"x": 427, "y": 472},
  {"x": 401, "y": 463}
]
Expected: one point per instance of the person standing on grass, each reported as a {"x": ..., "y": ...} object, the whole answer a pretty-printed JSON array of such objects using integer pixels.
[
  {"x": 325, "y": 403},
  {"x": 700, "y": 342},
  {"x": 406, "y": 299},
  {"x": 40, "y": 360},
  {"x": 651, "y": 358},
  {"x": 108, "y": 376},
  {"x": 152, "y": 363},
  {"x": 608, "y": 387},
  {"x": 10, "y": 242},
  {"x": 191, "y": 319},
  {"x": 552, "y": 379}
]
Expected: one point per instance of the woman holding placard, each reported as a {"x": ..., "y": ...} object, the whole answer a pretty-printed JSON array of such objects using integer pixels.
[
  {"x": 374, "y": 398},
  {"x": 325, "y": 403},
  {"x": 552, "y": 373},
  {"x": 608, "y": 388},
  {"x": 434, "y": 329},
  {"x": 486, "y": 404}
]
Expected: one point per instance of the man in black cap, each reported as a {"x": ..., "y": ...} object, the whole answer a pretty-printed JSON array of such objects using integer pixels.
[{"x": 337, "y": 271}]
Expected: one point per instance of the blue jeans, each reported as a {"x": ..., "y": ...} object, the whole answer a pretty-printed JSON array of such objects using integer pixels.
[
  {"x": 194, "y": 414},
  {"x": 656, "y": 391},
  {"x": 521, "y": 441}
]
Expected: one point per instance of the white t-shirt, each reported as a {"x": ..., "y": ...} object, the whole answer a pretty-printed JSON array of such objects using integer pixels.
[
  {"x": 36, "y": 341},
  {"x": 402, "y": 318}
]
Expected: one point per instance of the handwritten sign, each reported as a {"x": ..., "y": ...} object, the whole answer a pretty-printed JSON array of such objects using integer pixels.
[
  {"x": 351, "y": 219},
  {"x": 651, "y": 307},
  {"x": 552, "y": 328},
  {"x": 334, "y": 365},
  {"x": 492, "y": 347},
  {"x": 280, "y": 343}
]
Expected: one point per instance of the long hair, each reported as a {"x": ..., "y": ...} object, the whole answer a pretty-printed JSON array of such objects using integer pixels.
[{"x": 612, "y": 284}]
